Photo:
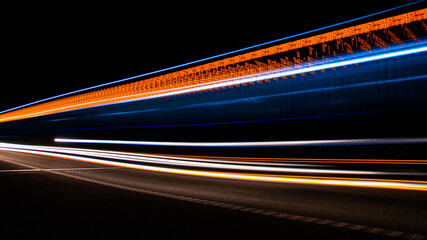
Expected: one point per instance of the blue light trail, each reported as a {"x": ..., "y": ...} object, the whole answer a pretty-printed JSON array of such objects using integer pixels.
[{"x": 213, "y": 57}]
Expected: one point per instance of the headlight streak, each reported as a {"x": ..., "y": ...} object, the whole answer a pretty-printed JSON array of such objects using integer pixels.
[
  {"x": 241, "y": 166},
  {"x": 337, "y": 142},
  {"x": 316, "y": 180},
  {"x": 363, "y": 57},
  {"x": 161, "y": 159}
]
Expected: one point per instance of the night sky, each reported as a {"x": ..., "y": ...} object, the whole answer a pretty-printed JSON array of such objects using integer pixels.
[{"x": 49, "y": 54}]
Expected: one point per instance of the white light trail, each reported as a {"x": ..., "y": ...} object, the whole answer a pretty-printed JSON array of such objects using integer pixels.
[
  {"x": 186, "y": 162},
  {"x": 357, "y": 58},
  {"x": 335, "y": 181},
  {"x": 211, "y": 58},
  {"x": 337, "y": 142},
  {"x": 364, "y": 57}
]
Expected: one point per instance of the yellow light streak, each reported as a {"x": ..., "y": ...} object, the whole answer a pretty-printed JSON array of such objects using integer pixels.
[{"x": 288, "y": 179}]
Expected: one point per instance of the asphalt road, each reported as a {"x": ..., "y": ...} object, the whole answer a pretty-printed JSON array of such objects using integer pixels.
[{"x": 46, "y": 197}]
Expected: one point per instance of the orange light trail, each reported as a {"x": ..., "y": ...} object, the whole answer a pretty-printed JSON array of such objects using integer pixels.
[
  {"x": 346, "y": 40},
  {"x": 91, "y": 157},
  {"x": 306, "y": 160}
]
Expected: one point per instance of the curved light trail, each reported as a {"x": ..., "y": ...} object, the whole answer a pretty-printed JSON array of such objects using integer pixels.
[
  {"x": 372, "y": 42},
  {"x": 223, "y": 168}
]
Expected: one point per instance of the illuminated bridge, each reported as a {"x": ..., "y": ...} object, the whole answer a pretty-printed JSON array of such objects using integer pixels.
[{"x": 344, "y": 105}]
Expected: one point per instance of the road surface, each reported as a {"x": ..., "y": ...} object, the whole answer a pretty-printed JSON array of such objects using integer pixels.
[{"x": 50, "y": 197}]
